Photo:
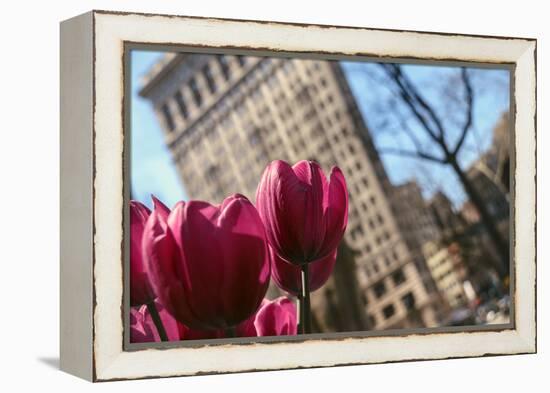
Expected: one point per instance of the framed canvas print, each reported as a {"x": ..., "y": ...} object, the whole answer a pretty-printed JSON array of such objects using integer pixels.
[{"x": 245, "y": 195}]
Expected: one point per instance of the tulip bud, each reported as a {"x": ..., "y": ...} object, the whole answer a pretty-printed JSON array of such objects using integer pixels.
[
  {"x": 304, "y": 215},
  {"x": 208, "y": 264},
  {"x": 140, "y": 288},
  {"x": 143, "y": 329},
  {"x": 274, "y": 318}
]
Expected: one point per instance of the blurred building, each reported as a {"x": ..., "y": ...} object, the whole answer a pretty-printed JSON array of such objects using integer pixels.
[
  {"x": 490, "y": 175},
  {"x": 445, "y": 268},
  {"x": 418, "y": 226},
  {"x": 449, "y": 222},
  {"x": 226, "y": 117},
  {"x": 469, "y": 213},
  {"x": 417, "y": 221}
]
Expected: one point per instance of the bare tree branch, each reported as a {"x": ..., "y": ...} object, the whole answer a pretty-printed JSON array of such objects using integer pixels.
[
  {"x": 469, "y": 109},
  {"x": 412, "y": 154},
  {"x": 413, "y": 91},
  {"x": 410, "y": 101},
  {"x": 435, "y": 130},
  {"x": 405, "y": 127}
]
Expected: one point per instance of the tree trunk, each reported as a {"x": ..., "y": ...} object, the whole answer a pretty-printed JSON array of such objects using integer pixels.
[{"x": 502, "y": 246}]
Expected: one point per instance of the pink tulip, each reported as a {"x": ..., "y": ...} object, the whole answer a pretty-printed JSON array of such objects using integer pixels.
[
  {"x": 143, "y": 329},
  {"x": 208, "y": 264},
  {"x": 305, "y": 215},
  {"x": 274, "y": 318},
  {"x": 163, "y": 210},
  {"x": 140, "y": 288},
  {"x": 289, "y": 277}
]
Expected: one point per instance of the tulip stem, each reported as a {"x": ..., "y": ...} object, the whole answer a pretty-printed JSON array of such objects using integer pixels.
[
  {"x": 305, "y": 307},
  {"x": 300, "y": 322},
  {"x": 152, "y": 308}
]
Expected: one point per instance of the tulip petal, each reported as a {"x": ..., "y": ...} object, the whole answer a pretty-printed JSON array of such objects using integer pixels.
[
  {"x": 140, "y": 288},
  {"x": 311, "y": 227},
  {"x": 196, "y": 237},
  {"x": 163, "y": 264},
  {"x": 161, "y": 208},
  {"x": 279, "y": 186},
  {"x": 143, "y": 329},
  {"x": 289, "y": 277},
  {"x": 336, "y": 211},
  {"x": 286, "y": 204},
  {"x": 241, "y": 236},
  {"x": 276, "y": 318}
]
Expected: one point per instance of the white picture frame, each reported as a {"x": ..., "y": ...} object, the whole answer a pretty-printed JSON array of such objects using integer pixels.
[{"x": 93, "y": 189}]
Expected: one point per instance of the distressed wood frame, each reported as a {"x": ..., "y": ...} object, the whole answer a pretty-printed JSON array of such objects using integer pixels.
[{"x": 92, "y": 194}]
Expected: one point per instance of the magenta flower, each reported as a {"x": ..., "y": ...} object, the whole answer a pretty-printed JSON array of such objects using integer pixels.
[
  {"x": 305, "y": 215},
  {"x": 140, "y": 288},
  {"x": 143, "y": 329},
  {"x": 289, "y": 277},
  {"x": 274, "y": 318},
  {"x": 209, "y": 265}
]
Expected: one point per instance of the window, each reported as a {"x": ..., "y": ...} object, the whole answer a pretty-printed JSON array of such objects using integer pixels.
[
  {"x": 388, "y": 311},
  {"x": 408, "y": 301},
  {"x": 195, "y": 91},
  {"x": 379, "y": 289},
  {"x": 224, "y": 65},
  {"x": 168, "y": 117},
  {"x": 181, "y": 105},
  {"x": 357, "y": 231},
  {"x": 372, "y": 320},
  {"x": 398, "y": 277},
  {"x": 394, "y": 255},
  {"x": 367, "y": 271},
  {"x": 207, "y": 72}
]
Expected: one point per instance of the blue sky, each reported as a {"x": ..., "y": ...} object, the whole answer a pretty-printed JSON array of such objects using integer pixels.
[
  {"x": 153, "y": 172},
  {"x": 491, "y": 100}
]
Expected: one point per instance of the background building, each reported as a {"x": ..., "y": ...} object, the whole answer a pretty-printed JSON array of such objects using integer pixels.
[
  {"x": 226, "y": 117},
  {"x": 443, "y": 266}
]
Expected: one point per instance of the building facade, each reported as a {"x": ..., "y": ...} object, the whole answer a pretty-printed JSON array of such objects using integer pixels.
[
  {"x": 445, "y": 269},
  {"x": 419, "y": 227},
  {"x": 226, "y": 117}
]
